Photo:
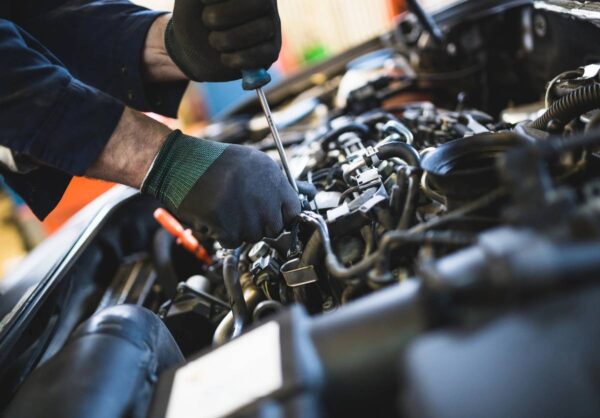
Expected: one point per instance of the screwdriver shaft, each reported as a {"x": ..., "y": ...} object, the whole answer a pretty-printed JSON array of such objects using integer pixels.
[{"x": 284, "y": 162}]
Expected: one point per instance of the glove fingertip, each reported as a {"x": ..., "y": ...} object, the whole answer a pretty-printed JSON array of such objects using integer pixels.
[
  {"x": 307, "y": 189},
  {"x": 290, "y": 210}
]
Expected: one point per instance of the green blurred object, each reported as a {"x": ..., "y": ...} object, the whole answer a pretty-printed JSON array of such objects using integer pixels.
[{"x": 315, "y": 53}]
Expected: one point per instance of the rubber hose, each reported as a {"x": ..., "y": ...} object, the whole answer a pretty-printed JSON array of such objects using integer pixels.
[
  {"x": 358, "y": 128},
  {"x": 410, "y": 203},
  {"x": 265, "y": 308},
  {"x": 569, "y": 107},
  {"x": 231, "y": 277},
  {"x": 397, "y": 127},
  {"x": 313, "y": 251},
  {"x": 399, "y": 150},
  {"x": 161, "y": 256},
  {"x": 224, "y": 331}
]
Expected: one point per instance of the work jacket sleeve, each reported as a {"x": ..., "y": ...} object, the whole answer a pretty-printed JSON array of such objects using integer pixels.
[
  {"x": 101, "y": 43},
  {"x": 49, "y": 117}
]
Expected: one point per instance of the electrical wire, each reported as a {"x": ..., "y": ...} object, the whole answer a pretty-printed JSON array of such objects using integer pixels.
[
  {"x": 470, "y": 207},
  {"x": 389, "y": 240},
  {"x": 355, "y": 189}
]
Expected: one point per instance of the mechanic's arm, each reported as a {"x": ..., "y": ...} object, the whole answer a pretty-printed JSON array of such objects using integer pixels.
[
  {"x": 237, "y": 193},
  {"x": 105, "y": 44},
  {"x": 102, "y": 43},
  {"x": 48, "y": 118}
]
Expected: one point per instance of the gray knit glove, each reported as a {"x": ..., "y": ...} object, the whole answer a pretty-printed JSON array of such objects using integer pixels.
[
  {"x": 237, "y": 192},
  {"x": 212, "y": 40}
]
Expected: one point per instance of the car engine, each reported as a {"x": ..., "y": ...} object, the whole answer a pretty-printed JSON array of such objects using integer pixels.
[
  {"x": 446, "y": 259},
  {"x": 399, "y": 173}
]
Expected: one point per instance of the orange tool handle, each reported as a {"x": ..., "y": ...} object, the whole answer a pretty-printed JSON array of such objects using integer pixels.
[{"x": 185, "y": 237}]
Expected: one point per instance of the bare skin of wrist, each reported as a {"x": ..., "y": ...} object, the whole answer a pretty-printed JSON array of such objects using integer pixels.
[
  {"x": 134, "y": 144},
  {"x": 157, "y": 65},
  {"x": 132, "y": 147}
]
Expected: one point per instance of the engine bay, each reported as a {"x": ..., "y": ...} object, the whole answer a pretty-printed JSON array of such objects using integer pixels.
[
  {"x": 449, "y": 187},
  {"x": 404, "y": 161}
]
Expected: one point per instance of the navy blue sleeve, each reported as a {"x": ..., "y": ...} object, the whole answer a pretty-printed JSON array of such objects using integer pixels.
[
  {"x": 101, "y": 43},
  {"x": 49, "y": 116}
]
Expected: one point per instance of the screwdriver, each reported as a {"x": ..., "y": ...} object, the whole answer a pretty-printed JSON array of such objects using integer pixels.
[{"x": 255, "y": 80}]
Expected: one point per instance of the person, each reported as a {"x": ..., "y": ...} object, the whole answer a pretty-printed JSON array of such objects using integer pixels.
[{"x": 75, "y": 75}]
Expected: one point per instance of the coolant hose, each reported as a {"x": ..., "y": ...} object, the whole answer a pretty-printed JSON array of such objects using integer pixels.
[
  {"x": 397, "y": 127},
  {"x": 239, "y": 309},
  {"x": 399, "y": 150},
  {"x": 569, "y": 107},
  {"x": 161, "y": 256},
  {"x": 357, "y": 128},
  {"x": 385, "y": 151},
  {"x": 313, "y": 251},
  {"x": 410, "y": 203},
  {"x": 224, "y": 330},
  {"x": 379, "y": 257}
]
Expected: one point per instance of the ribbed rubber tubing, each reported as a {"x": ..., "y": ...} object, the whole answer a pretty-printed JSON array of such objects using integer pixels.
[{"x": 569, "y": 107}]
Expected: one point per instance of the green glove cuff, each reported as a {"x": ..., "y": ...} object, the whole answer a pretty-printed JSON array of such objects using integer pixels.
[{"x": 181, "y": 161}]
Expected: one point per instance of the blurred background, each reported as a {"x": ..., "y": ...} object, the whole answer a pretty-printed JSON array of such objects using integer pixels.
[{"x": 313, "y": 30}]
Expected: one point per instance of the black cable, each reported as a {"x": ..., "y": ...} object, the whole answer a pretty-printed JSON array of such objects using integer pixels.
[
  {"x": 567, "y": 108},
  {"x": 410, "y": 202},
  {"x": 398, "y": 128},
  {"x": 399, "y": 150},
  {"x": 231, "y": 278},
  {"x": 354, "y": 189},
  {"x": 394, "y": 239},
  {"x": 389, "y": 239},
  {"x": 480, "y": 203},
  {"x": 333, "y": 135},
  {"x": 161, "y": 256},
  {"x": 339, "y": 271}
]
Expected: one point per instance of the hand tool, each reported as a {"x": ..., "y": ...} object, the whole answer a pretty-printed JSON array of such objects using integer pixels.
[
  {"x": 255, "y": 80},
  {"x": 185, "y": 237}
]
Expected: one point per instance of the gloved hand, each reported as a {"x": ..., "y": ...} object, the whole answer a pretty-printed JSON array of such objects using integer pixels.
[
  {"x": 212, "y": 40},
  {"x": 238, "y": 193}
]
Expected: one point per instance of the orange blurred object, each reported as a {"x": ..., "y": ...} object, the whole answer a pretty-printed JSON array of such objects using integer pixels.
[
  {"x": 288, "y": 63},
  {"x": 185, "y": 238},
  {"x": 397, "y": 7},
  {"x": 80, "y": 192}
]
